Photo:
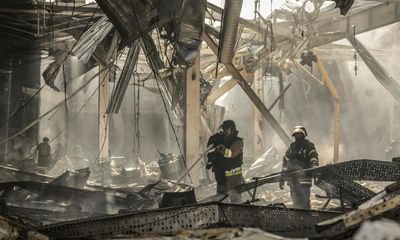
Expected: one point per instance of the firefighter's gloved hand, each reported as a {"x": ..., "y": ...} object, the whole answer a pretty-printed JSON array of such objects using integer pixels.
[
  {"x": 209, "y": 165},
  {"x": 282, "y": 185},
  {"x": 221, "y": 148},
  {"x": 314, "y": 165},
  {"x": 213, "y": 140}
]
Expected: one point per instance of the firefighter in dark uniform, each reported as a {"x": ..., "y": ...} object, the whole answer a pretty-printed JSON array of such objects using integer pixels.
[
  {"x": 44, "y": 153},
  {"x": 227, "y": 158},
  {"x": 300, "y": 155}
]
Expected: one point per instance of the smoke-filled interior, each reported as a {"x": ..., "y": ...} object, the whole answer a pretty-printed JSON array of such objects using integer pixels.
[{"x": 238, "y": 117}]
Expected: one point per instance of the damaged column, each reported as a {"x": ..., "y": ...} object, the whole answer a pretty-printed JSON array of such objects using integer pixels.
[
  {"x": 192, "y": 118},
  {"x": 103, "y": 101},
  {"x": 332, "y": 90}
]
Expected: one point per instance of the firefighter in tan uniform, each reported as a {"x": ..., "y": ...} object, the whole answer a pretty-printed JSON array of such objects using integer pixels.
[{"x": 300, "y": 155}]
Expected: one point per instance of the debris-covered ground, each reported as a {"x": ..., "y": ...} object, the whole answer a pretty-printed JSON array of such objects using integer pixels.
[{"x": 65, "y": 205}]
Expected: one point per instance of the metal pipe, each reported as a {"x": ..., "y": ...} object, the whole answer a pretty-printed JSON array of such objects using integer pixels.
[
  {"x": 384, "y": 78},
  {"x": 279, "y": 97},
  {"x": 251, "y": 94}
]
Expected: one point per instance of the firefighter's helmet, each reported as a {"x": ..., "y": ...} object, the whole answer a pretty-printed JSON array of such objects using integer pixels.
[
  {"x": 228, "y": 124},
  {"x": 299, "y": 129}
]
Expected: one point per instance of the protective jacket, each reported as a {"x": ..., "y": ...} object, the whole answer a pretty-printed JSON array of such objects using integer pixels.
[
  {"x": 300, "y": 155},
  {"x": 44, "y": 152},
  {"x": 223, "y": 164}
]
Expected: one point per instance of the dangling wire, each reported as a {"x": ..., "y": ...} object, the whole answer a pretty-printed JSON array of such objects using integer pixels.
[
  {"x": 137, "y": 116},
  {"x": 271, "y": 59},
  {"x": 355, "y": 52},
  {"x": 302, "y": 19},
  {"x": 271, "y": 11},
  {"x": 66, "y": 108},
  {"x": 216, "y": 71},
  {"x": 256, "y": 8},
  {"x": 72, "y": 14},
  {"x": 134, "y": 150}
]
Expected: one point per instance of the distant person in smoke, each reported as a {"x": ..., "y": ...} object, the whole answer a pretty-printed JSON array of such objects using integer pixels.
[
  {"x": 300, "y": 155},
  {"x": 227, "y": 158},
  {"x": 43, "y": 150}
]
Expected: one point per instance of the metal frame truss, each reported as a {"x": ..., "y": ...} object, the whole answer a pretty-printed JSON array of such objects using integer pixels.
[{"x": 283, "y": 221}]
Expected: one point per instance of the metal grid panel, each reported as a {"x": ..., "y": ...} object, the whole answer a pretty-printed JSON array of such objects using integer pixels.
[
  {"x": 368, "y": 170},
  {"x": 335, "y": 185},
  {"x": 159, "y": 221},
  {"x": 357, "y": 170},
  {"x": 281, "y": 221}
]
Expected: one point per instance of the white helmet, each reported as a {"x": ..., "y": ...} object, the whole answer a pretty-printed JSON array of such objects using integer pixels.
[{"x": 299, "y": 129}]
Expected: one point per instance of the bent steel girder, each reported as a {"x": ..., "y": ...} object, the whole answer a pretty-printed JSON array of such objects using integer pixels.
[
  {"x": 365, "y": 16},
  {"x": 384, "y": 78}
]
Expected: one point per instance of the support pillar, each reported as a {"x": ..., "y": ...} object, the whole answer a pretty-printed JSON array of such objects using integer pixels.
[
  {"x": 192, "y": 119},
  {"x": 103, "y": 115},
  {"x": 332, "y": 90},
  {"x": 104, "y": 80}
]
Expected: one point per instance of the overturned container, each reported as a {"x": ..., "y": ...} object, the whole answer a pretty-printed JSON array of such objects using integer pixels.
[{"x": 171, "y": 166}]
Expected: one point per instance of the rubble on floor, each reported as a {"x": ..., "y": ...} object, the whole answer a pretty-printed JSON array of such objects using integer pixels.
[
  {"x": 10, "y": 229},
  {"x": 383, "y": 229},
  {"x": 72, "y": 206}
]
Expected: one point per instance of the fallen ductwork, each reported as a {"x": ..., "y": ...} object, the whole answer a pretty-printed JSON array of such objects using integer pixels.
[
  {"x": 230, "y": 23},
  {"x": 51, "y": 72},
  {"x": 89, "y": 41}
]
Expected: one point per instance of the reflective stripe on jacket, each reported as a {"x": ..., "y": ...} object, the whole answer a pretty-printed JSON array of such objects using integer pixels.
[{"x": 234, "y": 172}]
